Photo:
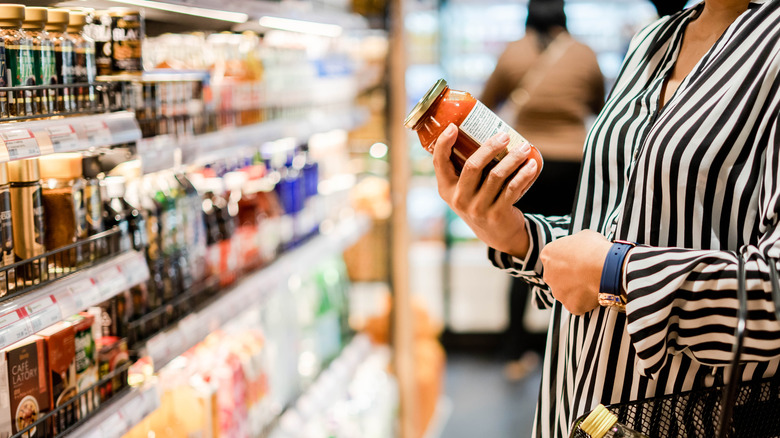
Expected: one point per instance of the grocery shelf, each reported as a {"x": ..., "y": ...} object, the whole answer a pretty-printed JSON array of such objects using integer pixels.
[
  {"x": 252, "y": 290},
  {"x": 117, "y": 416},
  {"x": 156, "y": 155},
  {"x": 32, "y": 312},
  {"x": 35, "y": 138}
]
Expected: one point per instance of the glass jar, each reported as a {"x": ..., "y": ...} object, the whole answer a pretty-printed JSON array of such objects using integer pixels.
[
  {"x": 476, "y": 124},
  {"x": 84, "y": 67},
  {"x": 27, "y": 216},
  {"x": 44, "y": 65},
  {"x": 601, "y": 423},
  {"x": 63, "y": 197},
  {"x": 18, "y": 60},
  {"x": 63, "y": 57},
  {"x": 6, "y": 232}
]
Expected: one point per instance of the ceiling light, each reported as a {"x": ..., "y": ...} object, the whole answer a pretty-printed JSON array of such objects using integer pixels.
[
  {"x": 233, "y": 17},
  {"x": 310, "y": 27}
]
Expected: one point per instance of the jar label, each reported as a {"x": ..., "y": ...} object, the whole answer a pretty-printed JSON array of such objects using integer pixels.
[{"x": 481, "y": 124}]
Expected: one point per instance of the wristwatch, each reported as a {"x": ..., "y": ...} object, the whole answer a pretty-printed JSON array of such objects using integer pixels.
[{"x": 611, "y": 293}]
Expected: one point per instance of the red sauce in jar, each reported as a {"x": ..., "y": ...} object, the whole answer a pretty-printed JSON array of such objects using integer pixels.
[{"x": 476, "y": 123}]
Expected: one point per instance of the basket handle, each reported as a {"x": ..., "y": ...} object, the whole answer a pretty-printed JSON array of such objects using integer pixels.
[{"x": 730, "y": 390}]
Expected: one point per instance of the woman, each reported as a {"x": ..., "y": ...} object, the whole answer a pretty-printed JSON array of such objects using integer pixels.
[
  {"x": 559, "y": 85},
  {"x": 684, "y": 161}
]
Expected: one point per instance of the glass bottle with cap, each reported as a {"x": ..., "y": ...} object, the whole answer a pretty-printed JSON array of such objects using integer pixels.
[
  {"x": 63, "y": 196},
  {"x": 93, "y": 200},
  {"x": 6, "y": 232},
  {"x": 27, "y": 211},
  {"x": 63, "y": 57},
  {"x": 476, "y": 123},
  {"x": 84, "y": 66},
  {"x": 18, "y": 60},
  {"x": 44, "y": 66},
  {"x": 601, "y": 423},
  {"x": 115, "y": 212}
]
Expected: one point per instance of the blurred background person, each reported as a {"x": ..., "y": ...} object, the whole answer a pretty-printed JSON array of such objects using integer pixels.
[{"x": 548, "y": 85}]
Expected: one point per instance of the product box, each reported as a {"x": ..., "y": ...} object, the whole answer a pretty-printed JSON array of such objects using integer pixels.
[
  {"x": 28, "y": 386},
  {"x": 112, "y": 353},
  {"x": 86, "y": 361},
  {"x": 61, "y": 363}
]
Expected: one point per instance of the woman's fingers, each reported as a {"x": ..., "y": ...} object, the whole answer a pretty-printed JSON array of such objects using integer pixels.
[
  {"x": 446, "y": 176},
  {"x": 500, "y": 175},
  {"x": 520, "y": 183},
  {"x": 471, "y": 175}
]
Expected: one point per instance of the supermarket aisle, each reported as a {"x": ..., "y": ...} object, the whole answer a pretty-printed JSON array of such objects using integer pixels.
[{"x": 484, "y": 402}]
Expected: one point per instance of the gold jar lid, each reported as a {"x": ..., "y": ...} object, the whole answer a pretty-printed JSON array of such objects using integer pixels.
[
  {"x": 122, "y": 12},
  {"x": 422, "y": 106},
  {"x": 35, "y": 18},
  {"x": 11, "y": 15},
  {"x": 77, "y": 22},
  {"x": 598, "y": 422},
  {"x": 24, "y": 170},
  {"x": 61, "y": 166},
  {"x": 58, "y": 20}
]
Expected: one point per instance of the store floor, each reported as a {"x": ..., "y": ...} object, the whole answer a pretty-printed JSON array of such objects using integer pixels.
[{"x": 484, "y": 402}]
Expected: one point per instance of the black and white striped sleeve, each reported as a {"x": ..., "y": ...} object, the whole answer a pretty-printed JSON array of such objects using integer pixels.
[
  {"x": 541, "y": 231},
  {"x": 685, "y": 301}
]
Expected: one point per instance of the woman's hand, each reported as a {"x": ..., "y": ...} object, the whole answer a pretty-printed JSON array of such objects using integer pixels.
[
  {"x": 572, "y": 269},
  {"x": 487, "y": 207}
]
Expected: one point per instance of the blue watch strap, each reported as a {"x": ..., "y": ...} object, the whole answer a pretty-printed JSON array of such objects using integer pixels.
[{"x": 613, "y": 266}]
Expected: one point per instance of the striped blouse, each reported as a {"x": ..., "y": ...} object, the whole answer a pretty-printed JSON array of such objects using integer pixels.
[{"x": 691, "y": 182}]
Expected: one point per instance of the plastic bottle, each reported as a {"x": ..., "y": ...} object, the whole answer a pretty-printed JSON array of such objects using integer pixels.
[{"x": 601, "y": 423}]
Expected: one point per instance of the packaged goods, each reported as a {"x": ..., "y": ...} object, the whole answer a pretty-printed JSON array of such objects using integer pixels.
[
  {"x": 44, "y": 64},
  {"x": 18, "y": 58},
  {"x": 63, "y": 56},
  {"x": 476, "y": 124},
  {"x": 112, "y": 353},
  {"x": 27, "y": 213},
  {"x": 86, "y": 361},
  {"x": 127, "y": 33},
  {"x": 63, "y": 193},
  {"x": 61, "y": 363},
  {"x": 98, "y": 29},
  {"x": 28, "y": 385},
  {"x": 84, "y": 67},
  {"x": 6, "y": 232}
]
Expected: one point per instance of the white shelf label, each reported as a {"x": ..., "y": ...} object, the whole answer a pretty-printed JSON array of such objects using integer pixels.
[
  {"x": 111, "y": 282},
  {"x": 85, "y": 293},
  {"x": 20, "y": 143},
  {"x": 13, "y": 327},
  {"x": 114, "y": 426},
  {"x": 136, "y": 271},
  {"x": 43, "y": 313},
  {"x": 63, "y": 138},
  {"x": 98, "y": 133}
]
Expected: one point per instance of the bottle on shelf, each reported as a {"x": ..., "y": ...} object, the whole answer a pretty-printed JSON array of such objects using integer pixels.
[
  {"x": 601, "y": 423},
  {"x": 115, "y": 211},
  {"x": 63, "y": 192},
  {"x": 98, "y": 29},
  {"x": 93, "y": 199},
  {"x": 63, "y": 57},
  {"x": 84, "y": 67},
  {"x": 6, "y": 232},
  {"x": 18, "y": 61},
  {"x": 28, "y": 223},
  {"x": 44, "y": 64}
]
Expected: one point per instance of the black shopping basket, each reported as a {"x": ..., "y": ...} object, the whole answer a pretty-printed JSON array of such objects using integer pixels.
[{"x": 734, "y": 410}]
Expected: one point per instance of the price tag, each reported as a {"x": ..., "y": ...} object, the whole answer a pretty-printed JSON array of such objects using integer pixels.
[
  {"x": 63, "y": 138},
  {"x": 110, "y": 282},
  {"x": 43, "y": 313},
  {"x": 157, "y": 348},
  {"x": 85, "y": 293},
  {"x": 20, "y": 143},
  {"x": 66, "y": 302},
  {"x": 98, "y": 133},
  {"x": 114, "y": 426},
  {"x": 189, "y": 327},
  {"x": 13, "y": 327},
  {"x": 134, "y": 410},
  {"x": 136, "y": 271}
]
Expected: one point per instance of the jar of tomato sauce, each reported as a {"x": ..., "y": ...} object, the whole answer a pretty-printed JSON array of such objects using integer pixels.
[{"x": 476, "y": 123}]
